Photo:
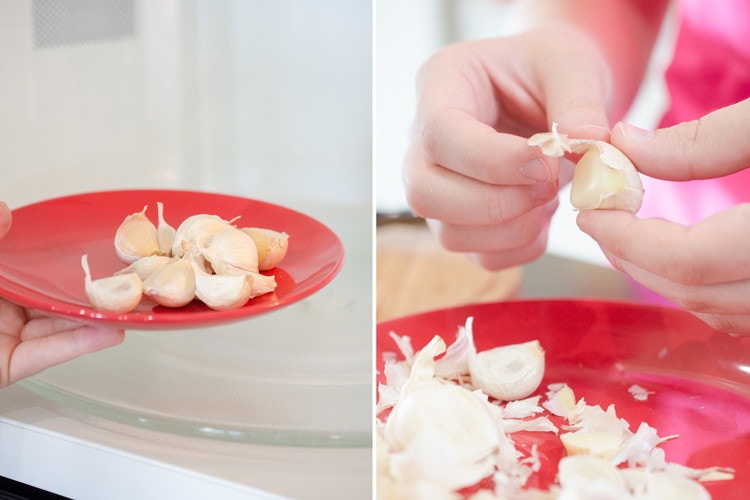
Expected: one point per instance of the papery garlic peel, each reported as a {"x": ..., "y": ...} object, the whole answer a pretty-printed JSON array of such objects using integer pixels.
[{"x": 604, "y": 178}]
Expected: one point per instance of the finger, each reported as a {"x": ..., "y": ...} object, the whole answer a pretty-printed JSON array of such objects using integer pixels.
[
  {"x": 33, "y": 356},
  {"x": 459, "y": 115},
  {"x": 42, "y": 326},
  {"x": 5, "y": 219},
  {"x": 734, "y": 324},
  {"x": 458, "y": 141},
  {"x": 12, "y": 318},
  {"x": 518, "y": 232},
  {"x": 577, "y": 98},
  {"x": 434, "y": 192},
  {"x": 715, "y": 250},
  {"x": 495, "y": 261},
  {"x": 722, "y": 298},
  {"x": 712, "y": 146}
]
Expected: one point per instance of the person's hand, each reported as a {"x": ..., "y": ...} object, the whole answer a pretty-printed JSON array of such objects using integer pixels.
[
  {"x": 31, "y": 342},
  {"x": 469, "y": 171},
  {"x": 703, "y": 268}
]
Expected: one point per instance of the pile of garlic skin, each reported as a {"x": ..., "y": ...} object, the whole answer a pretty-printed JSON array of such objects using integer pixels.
[
  {"x": 206, "y": 257},
  {"x": 440, "y": 432},
  {"x": 604, "y": 178}
]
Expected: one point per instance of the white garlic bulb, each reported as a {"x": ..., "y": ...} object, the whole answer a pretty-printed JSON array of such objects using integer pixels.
[
  {"x": 272, "y": 246},
  {"x": 117, "y": 294},
  {"x": 136, "y": 237},
  {"x": 604, "y": 178},
  {"x": 172, "y": 285}
]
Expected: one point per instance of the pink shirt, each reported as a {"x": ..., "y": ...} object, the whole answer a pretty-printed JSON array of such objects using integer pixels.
[{"x": 710, "y": 70}]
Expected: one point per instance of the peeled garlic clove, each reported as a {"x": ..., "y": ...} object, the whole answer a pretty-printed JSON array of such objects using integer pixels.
[
  {"x": 197, "y": 231},
  {"x": 146, "y": 266},
  {"x": 508, "y": 372},
  {"x": 604, "y": 178},
  {"x": 136, "y": 237},
  {"x": 222, "y": 292},
  {"x": 172, "y": 285},
  {"x": 598, "y": 444},
  {"x": 272, "y": 246},
  {"x": 231, "y": 248},
  {"x": 164, "y": 232},
  {"x": 588, "y": 468},
  {"x": 117, "y": 294}
]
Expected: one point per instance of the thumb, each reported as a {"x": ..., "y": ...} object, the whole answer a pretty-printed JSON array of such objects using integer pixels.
[
  {"x": 5, "y": 219},
  {"x": 712, "y": 146}
]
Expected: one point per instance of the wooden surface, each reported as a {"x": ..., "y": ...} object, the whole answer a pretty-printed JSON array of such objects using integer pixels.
[{"x": 415, "y": 274}]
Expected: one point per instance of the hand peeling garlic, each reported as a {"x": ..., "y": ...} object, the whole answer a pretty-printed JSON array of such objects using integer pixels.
[
  {"x": 205, "y": 257},
  {"x": 604, "y": 178}
]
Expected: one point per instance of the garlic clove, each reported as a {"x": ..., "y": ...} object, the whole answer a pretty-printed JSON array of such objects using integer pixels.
[
  {"x": 117, "y": 294},
  {"x": 222, "y": 292},
  {"x": 136, "y": 237},
  {"x": 164, "y": 232},
  {"x": 196, "y": 232},
  {"x": 508, "y": 372},
  {"x": 261, "y": 284},
  {"x": 146, "y": 266},
  {"x": 272, "y": 246},
  {"x": 231, "y": 249},
  {"x": 588, "y": 468},
  {"x": 604, "y": 178},
  {"x": 599, "y": 444},
  {"x": 172, "y": 285}
]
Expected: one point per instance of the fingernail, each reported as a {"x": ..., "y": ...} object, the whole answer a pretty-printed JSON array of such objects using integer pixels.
[
  {"x": 535, "y": 170},
  {"x": 635, "y": 134}
]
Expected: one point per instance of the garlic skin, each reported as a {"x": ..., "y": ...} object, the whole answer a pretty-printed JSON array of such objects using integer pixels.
[
  {"x": 196, "y": 232},
  {"x": 508, "y": 372},
  {"x": 146, "y": 266},
  {"x": 136, "y": 237},
  {"x": 230, "y": 249},
  {"x": 117, "y": 294},
  {"x": 464, "y": 438},
  {"x": 604, "y": 178},
  {"x": 164, "y": 232},
  {"x": 272, "y": 246},
  {"x": 172, "y": 285}
]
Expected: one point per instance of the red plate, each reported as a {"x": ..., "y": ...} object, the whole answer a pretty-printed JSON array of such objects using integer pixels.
[
  {"x": 700, "y": 377},
  {"x": 40, "y": 258}
]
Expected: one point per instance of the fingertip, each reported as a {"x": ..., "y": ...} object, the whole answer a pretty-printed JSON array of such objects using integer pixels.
[
  {"x": 6, "y": 219},
  {"x": 97, "y": 338}
]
